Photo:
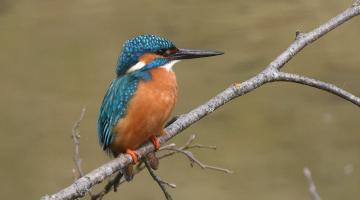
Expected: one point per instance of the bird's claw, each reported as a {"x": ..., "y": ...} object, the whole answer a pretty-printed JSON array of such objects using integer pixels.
[
  {"x": 156, "y": 142},
  {"x": 133, "y": 155}
]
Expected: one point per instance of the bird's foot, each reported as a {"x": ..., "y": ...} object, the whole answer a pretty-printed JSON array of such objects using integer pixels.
[
  {"x": 133, "y": 155},
  {"x": 155, "y": 141}
]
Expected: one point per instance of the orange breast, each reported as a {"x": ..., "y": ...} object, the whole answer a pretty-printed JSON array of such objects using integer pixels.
[{"x": 147, "y": 112}]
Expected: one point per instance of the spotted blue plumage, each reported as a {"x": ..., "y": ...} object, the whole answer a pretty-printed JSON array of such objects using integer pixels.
[{"x": 124, "y": 86}]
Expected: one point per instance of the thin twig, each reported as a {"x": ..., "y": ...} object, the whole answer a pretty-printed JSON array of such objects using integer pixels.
[
  {"x": 162, "y": 184},
  {"x": 312, "y": 188},
  {"x": 186, "y": 146},
  {"x": 75, "y": 135},
  {"x": 184, "y": 150},
  {"x": 194, "y": 160}
]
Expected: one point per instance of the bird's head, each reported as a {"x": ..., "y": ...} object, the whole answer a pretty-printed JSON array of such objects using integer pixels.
[{"x": 145, "y": 52}]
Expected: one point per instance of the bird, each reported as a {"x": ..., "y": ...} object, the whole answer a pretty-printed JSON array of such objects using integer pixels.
[{"x": 143, "y": 94}]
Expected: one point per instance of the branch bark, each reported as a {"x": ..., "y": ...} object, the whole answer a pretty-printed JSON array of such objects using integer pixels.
[
  {"x": 282, "y": 76},
  {"x": 271, "y": 73},
  {"x": 162, "y": 184}
]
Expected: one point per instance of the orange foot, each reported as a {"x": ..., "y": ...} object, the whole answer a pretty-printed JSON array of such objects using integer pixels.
[
  {"x": 133, "y": 155},
  {"x": 155, "y": 141}
]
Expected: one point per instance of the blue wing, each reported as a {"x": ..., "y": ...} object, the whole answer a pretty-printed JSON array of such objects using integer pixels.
[{"x": 114, "y": 106}]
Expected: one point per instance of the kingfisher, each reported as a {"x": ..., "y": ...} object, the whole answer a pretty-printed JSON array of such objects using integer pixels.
[{"x": 140, "y": 99}]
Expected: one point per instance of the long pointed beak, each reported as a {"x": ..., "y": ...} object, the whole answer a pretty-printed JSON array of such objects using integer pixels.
[{"x": 192, "y": 53}]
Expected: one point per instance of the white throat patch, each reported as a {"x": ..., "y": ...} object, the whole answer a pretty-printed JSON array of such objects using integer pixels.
[{"x": 169, "y": 66}]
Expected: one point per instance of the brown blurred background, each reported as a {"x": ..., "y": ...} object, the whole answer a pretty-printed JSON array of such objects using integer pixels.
[{"x": 56, "y": 56}]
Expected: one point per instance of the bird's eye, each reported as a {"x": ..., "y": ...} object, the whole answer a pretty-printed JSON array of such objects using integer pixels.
[
  {"x": 161, "y": 51},
  {"x": 166, "y": 52}
]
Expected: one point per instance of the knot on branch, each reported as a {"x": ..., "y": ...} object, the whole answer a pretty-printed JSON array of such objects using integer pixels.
[{"x": 299, "y": 35}]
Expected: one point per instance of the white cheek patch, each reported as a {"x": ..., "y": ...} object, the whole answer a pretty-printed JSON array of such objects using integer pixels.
[
  {"x": 135, "y": 67},
  {"x": 169, "y": 65}
]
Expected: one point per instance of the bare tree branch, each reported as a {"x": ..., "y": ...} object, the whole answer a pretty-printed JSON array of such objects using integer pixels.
[
  {"x": 158, "y": 180},
  {"x": 191, "y": 156},
  {"x": 282, "y": 76},
  {"x": 304, "y": 39},
  {"x": 75, "y": 136},
  {"x": 312, "y": 188},
  {"x": 188, "y": 145},
  {"x": 270, "y": 74}
]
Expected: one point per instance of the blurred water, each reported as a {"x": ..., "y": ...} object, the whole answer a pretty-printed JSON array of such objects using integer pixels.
[{"x": 57, "y": 56}]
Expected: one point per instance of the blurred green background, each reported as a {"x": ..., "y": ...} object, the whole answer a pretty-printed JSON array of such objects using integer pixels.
[{"x": 56, "y": 56}]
